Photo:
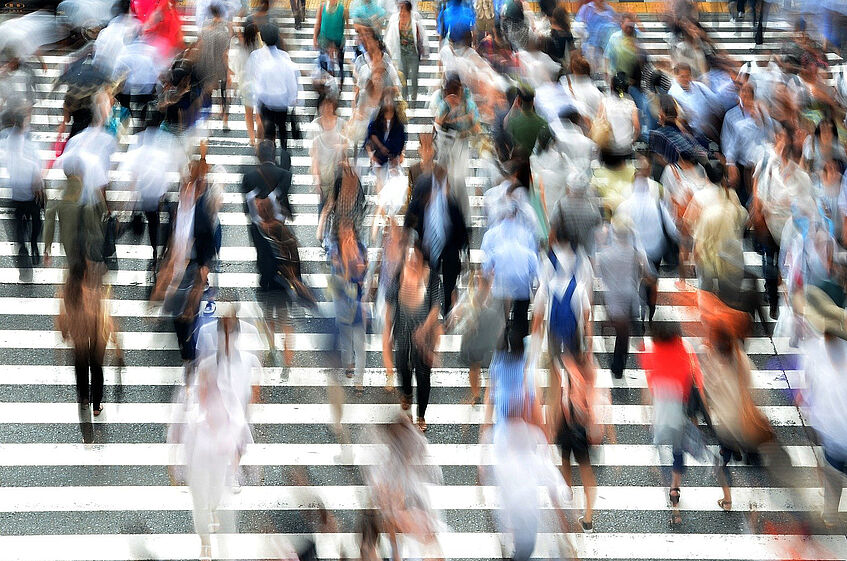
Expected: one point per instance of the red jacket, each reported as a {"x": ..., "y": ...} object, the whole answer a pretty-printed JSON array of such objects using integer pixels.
[{"x": 673, "y": 367}]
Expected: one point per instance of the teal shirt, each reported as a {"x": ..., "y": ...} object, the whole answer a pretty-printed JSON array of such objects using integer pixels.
[{"x": 332, "y": 25}]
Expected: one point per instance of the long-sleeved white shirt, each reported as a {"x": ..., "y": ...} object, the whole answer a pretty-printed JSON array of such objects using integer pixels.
[{"x": 276, "y": 83}]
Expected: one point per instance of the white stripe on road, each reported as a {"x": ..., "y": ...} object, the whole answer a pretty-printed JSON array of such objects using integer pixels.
[
  {"x": 453, "y": 545},
  {"x": 354, "y": 497},
  {"x": 68, "y": 454},
  {"x": 322, "y": 413}
]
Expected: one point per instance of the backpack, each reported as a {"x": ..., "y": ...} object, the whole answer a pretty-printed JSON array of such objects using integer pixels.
[{"x": 564, "y": 324}]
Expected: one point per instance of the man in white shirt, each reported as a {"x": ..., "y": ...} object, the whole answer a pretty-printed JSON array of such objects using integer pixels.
[
  {"x": 20, "y": 156},
  {"x": 697, "y": 101},
  {"x": 276, "y": 84}
]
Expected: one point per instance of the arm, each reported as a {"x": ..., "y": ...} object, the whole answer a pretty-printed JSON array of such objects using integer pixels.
[
  {"x": 388, "y": 341},
  {"x": 317, "y": 32}
]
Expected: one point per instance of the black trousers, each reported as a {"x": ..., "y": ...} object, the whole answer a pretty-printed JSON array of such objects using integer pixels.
[
  {"x": 185, "y": 338},
  {"x": 408, "y": 359},
  {"x": 27, "y": 211},
  {"x": 273, "y": 119},
  {"x": 449, "y": 268},
  {"x": 136, "y": 104},
  {"x": 88, "y": 357},
  {"x": 518, "y": 317},
  {"x": 744, "y": 188},
  {"x": 623, "y": 327},
  {"x": 153, "y": 227}
]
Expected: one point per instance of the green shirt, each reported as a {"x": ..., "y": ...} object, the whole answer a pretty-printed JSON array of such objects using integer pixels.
[
  {"x": 332, "y": 25},
  {"x": 526, "y": 128}
]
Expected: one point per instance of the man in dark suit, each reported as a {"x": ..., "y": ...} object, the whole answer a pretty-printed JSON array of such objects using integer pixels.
[
  {"x": 437, "y": 218},
  {"x": 267, "y": 178}
]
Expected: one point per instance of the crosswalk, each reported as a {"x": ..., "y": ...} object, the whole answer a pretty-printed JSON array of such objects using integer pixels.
[{"x": 62, "y": 499}]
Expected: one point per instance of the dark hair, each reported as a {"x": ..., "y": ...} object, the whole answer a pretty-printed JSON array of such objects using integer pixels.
[
  {"x": 405, "y": 4},
  {"x": 681, "y": 67},
  {"x": 270, "y": 34},
  {"x": 266, "y": 151},
  {"x": 73, "y": 284},
  {"x": 527, "y": 97},
  {"x": 560, "y": 16},
  {"x": 264, "y": 5},
  {"x": 715, "y": 171},
  {"x": 251, "y": 35},
  {"x": 665, "y": 331},
  {"x": 215, "y": 11},
  {"x": 452, "y": 84},
  {"x": 667, "y": 106},
  {"x": 620, "y": 83},
  {"x": 826, "y": 122}
]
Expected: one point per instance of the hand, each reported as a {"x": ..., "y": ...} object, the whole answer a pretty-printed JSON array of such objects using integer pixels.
[{"x": 315, "y": 41}]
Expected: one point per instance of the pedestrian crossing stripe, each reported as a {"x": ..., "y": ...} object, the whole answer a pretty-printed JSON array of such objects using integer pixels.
[
  {"x": 455, "y": 545},
  {"x": 144, "y": 454},
  {"x": 323, "y": 413},
  {"x": 46, "y": 374}
]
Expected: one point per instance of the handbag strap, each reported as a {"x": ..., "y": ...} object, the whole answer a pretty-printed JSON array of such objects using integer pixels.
[{"x": 570, "y": 86}]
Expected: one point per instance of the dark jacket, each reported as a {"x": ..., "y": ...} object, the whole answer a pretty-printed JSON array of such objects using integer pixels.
[
  {"x": 266, "y": 178},
  {"x": 458, "y": 235},
  {"x": 395, "y": 142}
]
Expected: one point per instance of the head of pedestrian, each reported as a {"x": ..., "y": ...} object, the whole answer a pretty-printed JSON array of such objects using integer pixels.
[
  {"x": 266, "y": 151},
  {"x": 667, "y": 110},
  {"x": 328, "y": 105},
  {"x": 628, "y": 21},
  {"x": 715, "y": 172},
  {"x": 620, "y": 84},
  {"x": 683, "y": 75},
  {"x": 215, "y": 11},
  {"x": 270, "y": 35},
  {"x": 747, "y": 95},
  {"x": 526, "y": 98},
  {"x": 227, "y": 315},
  {"x": 405, "y": 7}
]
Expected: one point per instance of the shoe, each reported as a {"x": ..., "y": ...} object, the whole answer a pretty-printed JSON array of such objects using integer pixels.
[
  {"x": 405, "y": 402},
  {"x": 617, "y": 375},
  {"x": 422, "y": 424},
  {"x": 35, "y": 256},
  {"x": 97, "y": 410},
  {"x": 774, "y": 312},
  {"x": 587, "y": 527},
  {"x": 731, "y": 18},
  {"x": 348, "y": 372}
]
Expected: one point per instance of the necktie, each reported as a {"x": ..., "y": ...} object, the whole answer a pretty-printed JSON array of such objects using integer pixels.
[{"x": 435, "y": 234}]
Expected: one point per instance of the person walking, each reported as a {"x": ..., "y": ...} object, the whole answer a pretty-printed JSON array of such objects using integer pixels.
[
  {"x": 85, "y": 322},
  {"x": 213, "y": 60},
  {"x": 330, "y": 23},
  {"x": 406, "y": 41},
  {"x": 673, "y": 373},
  {"x": 276, "y": 85},
  {"x": 20, "y": 157},
  {"x": 412, "y": 330}
]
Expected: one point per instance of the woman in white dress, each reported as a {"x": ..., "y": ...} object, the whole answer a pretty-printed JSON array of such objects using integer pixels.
[{"x": 327, "y": 148}]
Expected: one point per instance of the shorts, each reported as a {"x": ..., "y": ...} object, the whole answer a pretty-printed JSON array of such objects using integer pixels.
[{"x": 573, "y": 440}]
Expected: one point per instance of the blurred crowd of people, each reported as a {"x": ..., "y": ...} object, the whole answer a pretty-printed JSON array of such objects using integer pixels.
[{"x": 604, "y": 175}]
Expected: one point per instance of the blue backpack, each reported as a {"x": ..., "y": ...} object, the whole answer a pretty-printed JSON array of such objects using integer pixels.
[{"x": 563, "y": 323}]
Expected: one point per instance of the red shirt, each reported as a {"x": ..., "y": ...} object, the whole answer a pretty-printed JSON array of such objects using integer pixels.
[{"x": 671, "y": 366}]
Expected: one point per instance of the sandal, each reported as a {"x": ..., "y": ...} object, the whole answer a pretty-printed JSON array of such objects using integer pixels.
[
  {"x": 673, "y": 495},
  {"x": 405, "y": 402},
  {"x": 676, "y": 520},
  {"x": 422, "y": 424},
  {"x": 725, "y": 504},
  {"x": 97, "y": 410}
]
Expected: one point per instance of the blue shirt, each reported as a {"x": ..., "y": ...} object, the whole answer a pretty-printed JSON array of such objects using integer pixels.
[
  {"x": 598, "y": 25},
  {"x": 509, "y": 255},
  {"x": 743, "y": 137},
  {"x": 510, "y": 390},
  {"x": 455, "y": 20}
]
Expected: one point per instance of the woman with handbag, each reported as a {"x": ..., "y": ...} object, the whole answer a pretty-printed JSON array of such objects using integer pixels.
[
  {"x": 740, "y": 427},
  {"x": 672, "y": 375},
  {"x": 412, "y": 330},
  {"x": 574, "y": 428}
]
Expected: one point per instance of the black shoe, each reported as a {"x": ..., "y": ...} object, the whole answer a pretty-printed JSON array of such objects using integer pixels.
[
  {"x": 774, "y": 311},
  {"x": 617, "y": 375},
  {"x": 35, "y": 256},
  {"x": 587, "y": 527}
]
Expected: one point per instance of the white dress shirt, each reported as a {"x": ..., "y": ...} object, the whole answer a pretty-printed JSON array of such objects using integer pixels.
[{"x": 276, "y": 83}]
